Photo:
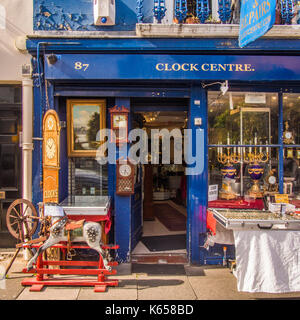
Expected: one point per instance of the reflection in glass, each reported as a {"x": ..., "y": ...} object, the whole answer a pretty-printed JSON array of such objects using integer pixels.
[
  {"x": 291, "y": 117},
  {"x": 90, "y": 178},
  {"x": 242, "y": 115},
  {"x": 291, "y": 177}
]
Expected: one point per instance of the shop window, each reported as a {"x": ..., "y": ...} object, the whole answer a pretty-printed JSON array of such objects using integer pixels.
[
  {"x": 88, "y": 178},
  {"x": 243, "y": 164},
  {"x": 291, "y": 138},
  {"x": 10, "y": 95}
]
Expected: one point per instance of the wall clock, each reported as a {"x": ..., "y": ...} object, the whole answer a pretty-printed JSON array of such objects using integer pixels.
[
  {"x": 125, "y": 178},
  {"x": 119, "y": 124}
]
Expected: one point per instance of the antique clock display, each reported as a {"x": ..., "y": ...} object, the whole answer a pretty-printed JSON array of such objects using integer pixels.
[
  {"x": 288, "y": 138},
  {"x": 51, "y": 133},
  {"x": 125, "y": 178},
  {"x": 119, "y": 124},
  {"x": 50, "y": 148},
  {"x": 288, "y": 135},
  {"x": 51, "y": 137}
]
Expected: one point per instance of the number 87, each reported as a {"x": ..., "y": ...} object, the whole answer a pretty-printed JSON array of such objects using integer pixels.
[{"x": 79, "y": 65}]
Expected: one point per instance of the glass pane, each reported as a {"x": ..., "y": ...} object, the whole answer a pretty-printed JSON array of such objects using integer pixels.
[
  {"x": 291, "y": 117},
  {"x": 291, "y": 177},
  {"x": 90, "y": 177},
  {"x": 8, "y": 166},
  {"x": 239, "y": 117},
  {"x": 10, "y": 94},
  {"x": 239, "y": 184},
  {"x": 8, "y": 126}
]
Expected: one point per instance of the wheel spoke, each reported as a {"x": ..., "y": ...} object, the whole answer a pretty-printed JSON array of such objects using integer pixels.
[
  {"x": 12, "y": 216},
  {"x": 16, "y": 212},
  {"x": 25, "y": 210}
]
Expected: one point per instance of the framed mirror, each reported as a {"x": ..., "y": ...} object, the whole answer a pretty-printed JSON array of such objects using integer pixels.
[{"x": 85, "y": 118}]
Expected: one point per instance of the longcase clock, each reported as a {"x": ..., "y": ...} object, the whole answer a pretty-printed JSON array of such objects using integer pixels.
[{"x": 51, "y": 144}]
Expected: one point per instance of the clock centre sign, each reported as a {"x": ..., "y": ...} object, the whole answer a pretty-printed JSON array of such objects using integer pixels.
[{"x": 51, "y": 141}]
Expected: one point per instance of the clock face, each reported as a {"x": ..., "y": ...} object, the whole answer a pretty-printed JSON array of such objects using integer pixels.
[
  {"x": 272, "y": 180},
  {"x": 50, "y": 148},
  {"x": 125, "y": 170},
  {"x": 119, "y": 121},
  {"x": 288, "y": 135}
]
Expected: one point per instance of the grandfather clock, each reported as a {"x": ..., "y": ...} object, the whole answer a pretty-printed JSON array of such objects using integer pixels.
[{"x": 51, "y": 143}]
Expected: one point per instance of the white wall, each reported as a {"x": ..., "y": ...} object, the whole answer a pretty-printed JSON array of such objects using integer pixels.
[{"x": 15, "y": 21}]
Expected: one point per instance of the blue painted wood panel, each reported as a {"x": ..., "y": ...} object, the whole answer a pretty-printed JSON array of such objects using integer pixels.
[
  {"x": 173, "y": 67},
  {"x": 197, "y": 183}
]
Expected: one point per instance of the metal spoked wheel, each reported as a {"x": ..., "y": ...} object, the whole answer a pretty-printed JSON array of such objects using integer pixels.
[{"x": 22, "y": 219}]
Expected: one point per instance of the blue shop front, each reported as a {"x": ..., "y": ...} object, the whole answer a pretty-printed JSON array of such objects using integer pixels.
[{"x": 238, "y": 112}]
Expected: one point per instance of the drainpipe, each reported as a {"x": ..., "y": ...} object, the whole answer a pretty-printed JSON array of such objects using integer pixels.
[{"x": 27, "y": 145}]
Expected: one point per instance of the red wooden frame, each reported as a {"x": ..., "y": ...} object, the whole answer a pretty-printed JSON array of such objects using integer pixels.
[{"x": 42, "y": 270}]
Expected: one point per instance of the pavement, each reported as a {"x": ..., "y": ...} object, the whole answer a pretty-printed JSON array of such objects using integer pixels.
[{"x": 146, "y": 282}]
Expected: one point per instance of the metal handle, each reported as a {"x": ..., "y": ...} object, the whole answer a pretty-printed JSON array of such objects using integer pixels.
[{"x": 265, "y": 227}]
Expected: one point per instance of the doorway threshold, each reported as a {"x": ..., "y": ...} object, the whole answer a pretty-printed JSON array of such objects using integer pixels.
[{"x": 160, "y": 258}]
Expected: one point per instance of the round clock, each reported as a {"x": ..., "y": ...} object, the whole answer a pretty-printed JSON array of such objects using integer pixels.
[
  {"x": 288, "y": 135},
  {"x": 272, "y": 180},
  {"x": 50, "y": 148},
  {"x": 125, "y": 170}
]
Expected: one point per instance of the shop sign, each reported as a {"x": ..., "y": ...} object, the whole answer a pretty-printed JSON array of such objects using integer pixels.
[
  {"x": 257, "y": 17},
  {"x": 213, "y": 192},
  {"x": 50, "y": 185},
  {"x": 281, "y": 198},
  {"x": 255, "y": 98},
  {"x": 173, "y": 67}
]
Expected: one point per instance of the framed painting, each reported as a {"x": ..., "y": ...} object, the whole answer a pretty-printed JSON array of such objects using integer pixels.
[{"x": 84, "y": 120}]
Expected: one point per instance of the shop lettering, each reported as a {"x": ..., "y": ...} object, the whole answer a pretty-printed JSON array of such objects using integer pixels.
[
  {"x": 50, "y": 194},
  {"x": 206, "y": 67},
  {"x": 255, "y": 15},
  {"x": 259, "y": 25}
]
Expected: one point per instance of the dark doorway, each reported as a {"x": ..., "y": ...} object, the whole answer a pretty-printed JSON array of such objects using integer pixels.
[
  {"x": 164, "y": 190},
  {"x": 10, "y": 156}
]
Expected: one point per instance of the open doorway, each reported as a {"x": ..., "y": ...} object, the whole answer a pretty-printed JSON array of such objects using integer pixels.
[{"x": 164, "y": 212}]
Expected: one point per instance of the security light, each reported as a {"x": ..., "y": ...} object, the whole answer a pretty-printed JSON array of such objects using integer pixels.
[
  {"x": 52, "y": 58},
  {"x": 224, "y": 87}
]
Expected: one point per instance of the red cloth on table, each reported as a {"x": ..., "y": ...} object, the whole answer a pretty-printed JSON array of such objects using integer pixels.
[
  {"x": 94, "y": 218},
  {"x": 211, "y": 222},
  {"x": 239, "y": 203},
  {"x": 296, "y": 203}
]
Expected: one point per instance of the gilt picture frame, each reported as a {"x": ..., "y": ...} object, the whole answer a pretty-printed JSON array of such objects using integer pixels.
[{"x": 85, "y": 117}]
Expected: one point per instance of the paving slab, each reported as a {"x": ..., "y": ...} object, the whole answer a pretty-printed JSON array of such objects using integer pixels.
[
  {"x": 168, "y": 287},
  {"x": 220, "y": 284},
  {"x": 50, "y": 293},
  {"x": 126, "y": 290}
]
